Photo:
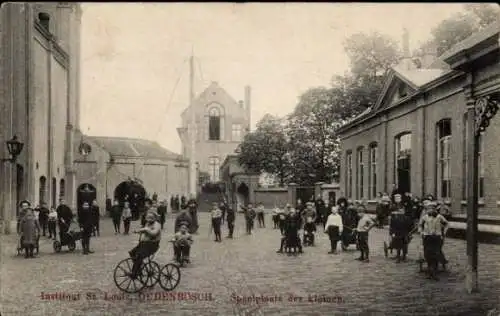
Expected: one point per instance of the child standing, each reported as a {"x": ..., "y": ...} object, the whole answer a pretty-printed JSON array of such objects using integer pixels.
[
  {"x": 309, "y": 230},
  {"x": 364, "y": 226},
  {"x": 52, "y": 222},
  {"x": 333, "y": 228},
  {"x": 250, "y": 215}
]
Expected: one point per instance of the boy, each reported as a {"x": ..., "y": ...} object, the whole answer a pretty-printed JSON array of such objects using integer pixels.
[
  {"x": 250, "y": 215},
  {"x": 364, "y": 226},
  {"x": 260, "y": 215},
  {"x": 216, "y": 215},
  {"x": 52, "y": 222},
  {"x": 182, "y": 243},
  {"x": 309, "y": 230}
]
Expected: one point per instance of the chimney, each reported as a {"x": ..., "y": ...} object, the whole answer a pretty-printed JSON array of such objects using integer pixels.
[
  {"x": 44, "y": 20},
  {"x": 248, "y": 106},
  {"x": 406, "y": 43}
]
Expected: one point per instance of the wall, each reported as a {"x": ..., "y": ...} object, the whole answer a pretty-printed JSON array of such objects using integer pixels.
[
  {"x": 231, "y": 113},
  {"x": 421, "y": 118},
  {"x": 272, "y": 197}
]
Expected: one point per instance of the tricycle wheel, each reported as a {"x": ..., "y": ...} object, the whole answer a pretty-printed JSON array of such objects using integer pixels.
[
  {"x": 122, "y": 276},
  {"x": 72, "y": 246},
  {"x": 170, "y": 276},
  {"x": 57, "y": 246}
]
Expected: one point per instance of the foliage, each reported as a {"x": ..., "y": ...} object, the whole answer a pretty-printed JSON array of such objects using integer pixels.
[
  {"x": 312, "y": 126},
  {"x": 266, "y": 149},
  {"x": 462, "y": 25}
]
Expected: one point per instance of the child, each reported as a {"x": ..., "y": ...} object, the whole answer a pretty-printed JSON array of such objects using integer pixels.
[
  {"x": 309, "y": 230},
  {"x": 276, "y": 219},
  {"x": 333, "y": 228},
  {"x": 364, "y": 226},
  {"x": 182, "y": 243},
  {"x": 216, "y": 215},
  {"x": 260, "y": 215},
  {"x": 250, "y": 215},
  {"x": 52, "y": 222}
]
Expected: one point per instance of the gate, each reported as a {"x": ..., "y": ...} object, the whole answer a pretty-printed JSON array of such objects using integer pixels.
[{"x": 305, "y": 194}]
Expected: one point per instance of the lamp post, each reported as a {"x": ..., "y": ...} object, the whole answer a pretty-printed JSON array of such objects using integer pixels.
[{"x": 14, "y": 146}]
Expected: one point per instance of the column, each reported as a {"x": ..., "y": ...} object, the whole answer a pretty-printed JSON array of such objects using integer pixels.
[
  {"x": 472, "y": 199},
  {"x": 292, "y": 193}
]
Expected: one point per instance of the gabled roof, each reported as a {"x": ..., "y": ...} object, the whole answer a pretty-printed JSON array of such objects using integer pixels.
[
  {"x": 213, "y": 87},
  {"x": 133, "y": 148}
]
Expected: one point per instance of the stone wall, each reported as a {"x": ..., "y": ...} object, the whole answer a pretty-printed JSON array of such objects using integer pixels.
[{"x": 271, "y": 197}]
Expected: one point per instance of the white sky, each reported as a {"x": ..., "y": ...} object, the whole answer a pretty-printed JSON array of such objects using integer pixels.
[{"x": 133, "y": 55}]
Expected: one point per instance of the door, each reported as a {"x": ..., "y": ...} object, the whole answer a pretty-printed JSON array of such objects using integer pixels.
[
  {"x": 305, "y": 194},
  {"x": 19, "y": 185},
  {"x": 85, "y": 193}
]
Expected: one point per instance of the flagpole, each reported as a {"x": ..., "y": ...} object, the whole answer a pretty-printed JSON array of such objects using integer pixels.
[{"x": 192, "y": 158}]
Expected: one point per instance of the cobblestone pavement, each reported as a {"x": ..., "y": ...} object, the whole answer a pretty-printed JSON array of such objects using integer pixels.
[{"x": 245, "y": 266}]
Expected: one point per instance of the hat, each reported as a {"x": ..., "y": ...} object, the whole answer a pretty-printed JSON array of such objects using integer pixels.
[
  {"x": 288, "y": 205},
  {"x": 397, "y": 194},
  {"x": 385, "y": 198},
  {"x": 25, "y": 201}
]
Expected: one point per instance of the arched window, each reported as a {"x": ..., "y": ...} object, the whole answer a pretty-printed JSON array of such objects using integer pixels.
[
  {"x": 360, "y": 174},
  {"x": 54, "y": 191},
  {"x": 214, "y": 163},
  {"x": 42, "y": 190},
  {"x": 443, "y": 130},
  {"x": 214, "y": 124},
  {"x": 372, "y": 173},
  {"x": 348, "y": 174},
  {"x": 402, "y": 162},
  {"x": 62, "y": 189}
]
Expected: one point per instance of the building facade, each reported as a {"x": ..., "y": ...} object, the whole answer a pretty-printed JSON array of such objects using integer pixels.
[
  {"x": 39, "y": 102},
  {"x": 109, "y": 162},
  {"x": 415, "y": 138},
  {"x": 220, "y": 125}
]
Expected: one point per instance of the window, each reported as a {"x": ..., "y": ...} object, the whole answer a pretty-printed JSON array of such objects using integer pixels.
[
  {"x": 359, "y": 174},
  {"x": 443, "y": 159},
  {"x": 349, "y": 175},
  {"x": 402, "y": 162},
  {"x": 372, "y": 173},
  {"x": 214, "y": 124},
  {"x": 214, "y": 163},
  {"x": 236, "y": 132},
  {"x": 62, "y": 189},
  {"x": 42, "y": 190},
  {"x": 54, "y": 191},
  {"x": 480, "y": 158}
]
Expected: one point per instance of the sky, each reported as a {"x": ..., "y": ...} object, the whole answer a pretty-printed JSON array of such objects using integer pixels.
[{"x": 135, "y": 74}]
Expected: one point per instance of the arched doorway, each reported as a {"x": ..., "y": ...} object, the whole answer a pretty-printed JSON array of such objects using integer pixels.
[
  {"x": 86, "y": 192},
  {"x": 242, "y": 194},
  {"x": 134, "y": 193}
]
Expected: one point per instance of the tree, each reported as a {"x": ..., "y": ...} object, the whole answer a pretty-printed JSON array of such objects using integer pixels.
[
  {"x": 371, "y": 55},
  {"x": 266, "y": 149},
  {"x": 486, "y": 13},
  {"x": 462, "y": 25},
  {"x": 314, "y": 145}
]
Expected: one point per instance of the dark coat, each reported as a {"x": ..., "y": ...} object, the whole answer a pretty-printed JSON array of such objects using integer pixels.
[
  {"x": 115, "y": 212},
  {"x": 401, "y": 224},
  {"x": 86, "y": 218},
  {"x": 64, "y": 212},
  {"x": 230, "y": 215},
  {"x": 96, "y": 215},
  {"x": 162, "y": 211},
  {"x": 43, "y": 217}
]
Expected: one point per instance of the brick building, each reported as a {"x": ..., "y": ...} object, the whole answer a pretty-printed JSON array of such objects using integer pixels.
[
  {"x": 221, "y": 124},
  {"x": 39, "y": 101},
  {"x": 415, "y": 136},
  {"x": 111, "y": 161}
]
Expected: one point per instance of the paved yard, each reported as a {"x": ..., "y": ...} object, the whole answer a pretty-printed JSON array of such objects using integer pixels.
[{"x": 224, "y": 275}]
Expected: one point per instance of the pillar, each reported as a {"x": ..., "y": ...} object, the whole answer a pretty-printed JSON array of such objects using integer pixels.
[
  {"x": 472, "y": 200},
  {"x": 317, "y": 189},
  {"x": 292, "y": 193}
]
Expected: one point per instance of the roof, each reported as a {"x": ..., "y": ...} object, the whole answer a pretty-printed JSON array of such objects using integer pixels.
[
  {"x": 133, "y": 148},
  {"x": 213, "y": 87},
  {"x": 472, "y": 40},
  {"x": 420, "y": 77}
]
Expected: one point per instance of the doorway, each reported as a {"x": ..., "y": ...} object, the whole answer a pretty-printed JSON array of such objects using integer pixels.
[
  {"x": 19, "y": 185},
  {"x": 404, "y": 174},
  {"x": 86, "y": 192}
]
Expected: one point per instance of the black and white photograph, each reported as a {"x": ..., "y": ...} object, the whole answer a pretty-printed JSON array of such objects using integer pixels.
[{"x": 249, "y": 158}]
